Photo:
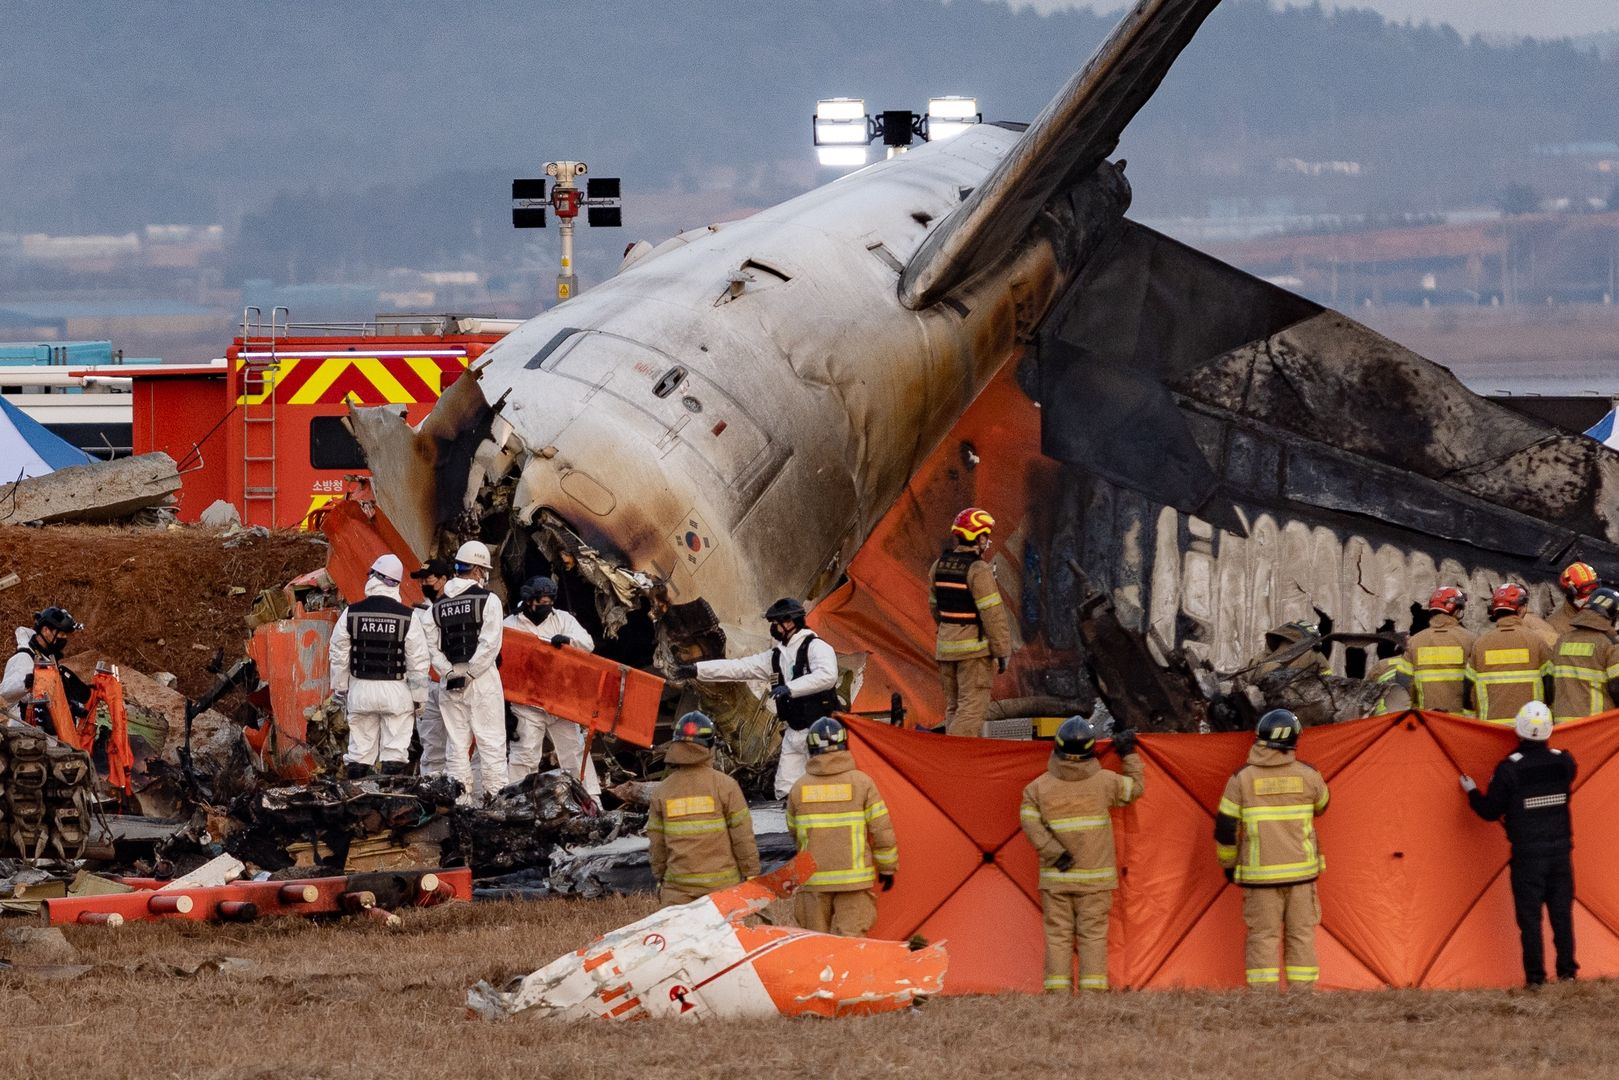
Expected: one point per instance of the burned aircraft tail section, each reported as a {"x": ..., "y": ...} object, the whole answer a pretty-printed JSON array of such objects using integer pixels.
[
  {"x": 1223, "y": 390},
  {"x": 1069, "y": 140}
]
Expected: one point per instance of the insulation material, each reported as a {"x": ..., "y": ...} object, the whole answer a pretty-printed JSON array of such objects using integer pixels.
[
  {"x": 1415, "y": 894},
  {"x": 699, "y": 961}
]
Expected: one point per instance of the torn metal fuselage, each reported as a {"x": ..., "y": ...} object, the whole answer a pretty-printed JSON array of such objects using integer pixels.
[{"x": 725, "y": 421}]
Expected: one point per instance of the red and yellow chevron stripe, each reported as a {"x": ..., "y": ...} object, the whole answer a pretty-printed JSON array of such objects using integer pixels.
[{"x": 326, "y": 379}]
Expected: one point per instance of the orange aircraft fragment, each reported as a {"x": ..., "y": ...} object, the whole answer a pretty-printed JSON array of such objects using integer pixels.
[
  {"x": 1415, "y": 893},
  {"x": 700, "y": 960}
]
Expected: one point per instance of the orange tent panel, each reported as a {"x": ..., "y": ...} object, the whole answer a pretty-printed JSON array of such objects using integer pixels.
[{"x": 1415, "y": 891}]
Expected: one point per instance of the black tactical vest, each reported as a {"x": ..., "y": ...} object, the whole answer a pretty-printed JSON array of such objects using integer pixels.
[
  {"x": 798, "y": 713},
  {"x": 460, "y": 621},
  {"x": 377, "y": 627},
  {"x": 1538, "y": 817},
  {"x": 951, "y": 594}
]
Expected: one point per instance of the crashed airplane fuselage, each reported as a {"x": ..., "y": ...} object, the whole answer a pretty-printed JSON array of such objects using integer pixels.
[{"x": 727, "y": 419}]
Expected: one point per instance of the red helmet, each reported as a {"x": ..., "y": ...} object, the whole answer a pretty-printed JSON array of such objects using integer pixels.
[
  {"x": 1510, "y": 598},
  {"x": 1579, "y": 580},
  {"x": 972, "y": 523},
  {"x": 1448, "y": 599}
]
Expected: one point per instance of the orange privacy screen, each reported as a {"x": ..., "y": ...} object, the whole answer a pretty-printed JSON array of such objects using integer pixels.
[{"x": 1415, "y": 891}]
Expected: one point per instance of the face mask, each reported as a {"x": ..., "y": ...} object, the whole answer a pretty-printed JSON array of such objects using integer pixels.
[
  {"x": 780, "y": 634},
  {"x": 430, "y": 591},
  {"x": 539, "y": 611}
]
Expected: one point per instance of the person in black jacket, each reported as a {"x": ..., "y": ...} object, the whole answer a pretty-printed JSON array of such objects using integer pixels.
[{"x": 1531, "y": 790}]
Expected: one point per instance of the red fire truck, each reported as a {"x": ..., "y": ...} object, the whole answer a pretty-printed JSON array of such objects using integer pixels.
[{"x": 263, "y": 429}]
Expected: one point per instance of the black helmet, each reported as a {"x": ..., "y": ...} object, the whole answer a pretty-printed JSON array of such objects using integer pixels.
[
  {"x": 1604, "y": 600},
  {"x": 785, "y": 608},
  {"x": 827, "y": 735},
  {"x": 57, "y": 619},
  {"x": 1076, "y": 739},
  {"x": 536, "y": 587},
  {"x": 694, "y": 727},
  {"x": 1278, "y": 729}
]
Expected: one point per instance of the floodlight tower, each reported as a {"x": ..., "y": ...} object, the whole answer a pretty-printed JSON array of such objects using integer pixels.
[
  {"x": 600, "y": 200},
  {"x": 843, "y": 129}
]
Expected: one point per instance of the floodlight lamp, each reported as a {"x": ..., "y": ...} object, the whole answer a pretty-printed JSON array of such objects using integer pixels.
[
  {"x": 841, "y": 157},
  {"x": 950, "y": 116},
  {"x": 841, "y": 122}
]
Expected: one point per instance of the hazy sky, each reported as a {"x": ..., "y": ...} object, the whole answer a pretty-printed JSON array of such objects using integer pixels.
[{"x": 1538, "y": 18}]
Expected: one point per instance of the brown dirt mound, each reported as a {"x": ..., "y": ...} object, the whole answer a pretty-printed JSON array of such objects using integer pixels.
[{"x": 156, "y": 599}]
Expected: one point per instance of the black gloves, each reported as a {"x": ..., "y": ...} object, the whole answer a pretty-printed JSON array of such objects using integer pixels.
[
  {"x": 887, "y": 881},
  {"x": 456, "y": 682},
  {"x": 28, "y": 681},
  {"x": 780, "y": 693},
  {"x": 561, "y": 640},
  {"x": 685, "y": 671},
  {"x": 1064, "y": 862},
  {"x": 1000, "y": 664},
  {"x": 1231, "y": 874},
  {"x": 1124, "y": 741}
]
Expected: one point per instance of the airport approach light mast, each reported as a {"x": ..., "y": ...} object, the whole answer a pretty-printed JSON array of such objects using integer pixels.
[
  {"x": 843, "y": 129},
  {"x": 600, "y": 200}
]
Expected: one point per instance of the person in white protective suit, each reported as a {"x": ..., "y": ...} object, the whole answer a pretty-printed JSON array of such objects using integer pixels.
[
  {"x": 465, "y": 640},
  {"x": 802, "y": 673},
  {"x": 379, "y": 664},
  {"x": 538, "y": 614},
  {"x": 434, "y": 575}
]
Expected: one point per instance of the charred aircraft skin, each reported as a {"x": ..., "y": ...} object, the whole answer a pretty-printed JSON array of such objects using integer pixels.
[{"x": 729, "y": 417}]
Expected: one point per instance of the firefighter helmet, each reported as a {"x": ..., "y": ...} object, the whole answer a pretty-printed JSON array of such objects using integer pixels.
[
  {"x": 787, "y": 608},
  {"x": 389, "y": 569},
  {"x": 1076, "y": 739},
  {"x": 1604, "y": 600},
  {"x": 972, "y": 523},
  {"x": 827, "y": 735},
  {"x": 694, "y": 727},
  {"x": 57, "y": 619},
  {"x": 473, "y": 553},
  {"x": 1510, "y": 598},
  {"x": 1579, "y": 580},
  {"x": 1447, "y": 599},
  {"x": 1278, "y": 729},
  {"x": 1534, "y": 722}
]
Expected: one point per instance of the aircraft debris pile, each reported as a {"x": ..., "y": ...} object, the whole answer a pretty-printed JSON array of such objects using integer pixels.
[{"x": 100, "y": 492}]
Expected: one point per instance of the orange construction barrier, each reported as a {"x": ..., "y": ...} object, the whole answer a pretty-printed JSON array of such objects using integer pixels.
[
  {"x": 1415, "y": 892},
  {"x": 291, "y": 655},
  {"x": 596, "y": 693},
  {"x": 80, "y": 733}
]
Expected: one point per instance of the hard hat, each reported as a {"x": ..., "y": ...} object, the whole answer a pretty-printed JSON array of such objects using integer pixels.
[
  {"x": 389, "y": 569},
  {"x": 826, "y": 735},
  {"x": 1579, "y": 580},
  {"x": 1076, "y": 739},
  {"x": 1534, "y": 722},
  {"x": 1604, "y": 600},
  {"x": 536, "y": 587},
  {"x": 1278, "y": 729},
  {"x": 785, "y": 608},
  {"x": 1448, "y": 599},
  {"x": 1510, "y": 598},
  {"x": 473, "y": 553},
  {"x": 694, "y": 727},
  {"x": 57, "y": 619},
  {"x": 1290, "y": 634},
  {"x": 972, "y": 523}
]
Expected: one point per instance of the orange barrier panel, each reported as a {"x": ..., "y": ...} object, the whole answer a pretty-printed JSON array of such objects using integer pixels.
[
  {"x": 593, "y": 692},
  {"x": 882, "y": 610},
  {"x": 291, "y": 655},
  {"x": 357, "y": 537},
  {"x": 1415, "y": 892}
]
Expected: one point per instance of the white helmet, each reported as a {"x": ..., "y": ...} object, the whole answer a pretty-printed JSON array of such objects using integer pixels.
[
  {"x": 473, "y": 553},
  {"x": 389, "y": 567},
  {"x": 1534, "y": 722}
]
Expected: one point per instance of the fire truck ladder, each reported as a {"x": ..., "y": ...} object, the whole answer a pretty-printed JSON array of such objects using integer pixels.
[{"x": 261, "y": 371}]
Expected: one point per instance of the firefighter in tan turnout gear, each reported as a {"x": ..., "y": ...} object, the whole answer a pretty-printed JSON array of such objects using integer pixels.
[
  {"x": 838, "y": 816},
  {"x": 1264, "y": 836},
  {"x": 699, "y": 829},
  {"x": 1585, "y": 663},
  {"x": 974, "y": 638},
  {"x": 1066, "y": 815},
  {"x": 1508, "y": 665},
  {"x": 1433, "y": 667}
]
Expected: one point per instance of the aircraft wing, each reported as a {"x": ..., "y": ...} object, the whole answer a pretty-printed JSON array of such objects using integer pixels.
[{"x": 1074, "y": 134}]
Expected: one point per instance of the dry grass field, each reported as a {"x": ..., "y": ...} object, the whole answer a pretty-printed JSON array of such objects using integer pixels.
[{"x": 360, "y": 1002}]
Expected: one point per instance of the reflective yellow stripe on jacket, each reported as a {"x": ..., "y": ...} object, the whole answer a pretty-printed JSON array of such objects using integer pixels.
[
  {"x": 864, "y": 863},
  {"x": 1483, "y": 680},
  {"x": 1253, "y": 870}
]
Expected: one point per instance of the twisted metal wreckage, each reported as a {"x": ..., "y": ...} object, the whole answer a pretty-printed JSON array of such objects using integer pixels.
[{"x": 797, "y": 402}]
